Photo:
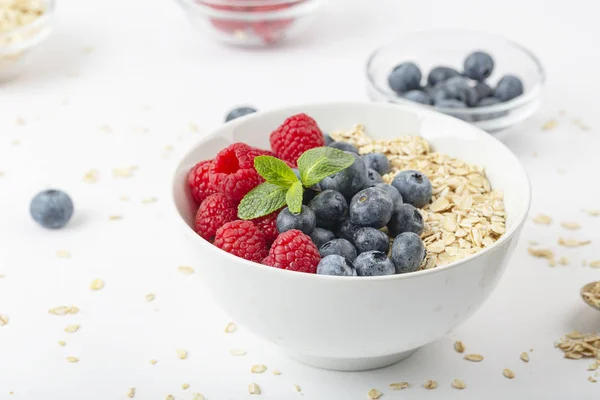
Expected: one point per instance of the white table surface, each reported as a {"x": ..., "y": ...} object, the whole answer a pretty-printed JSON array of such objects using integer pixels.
[{"x": 148, "y": 76}]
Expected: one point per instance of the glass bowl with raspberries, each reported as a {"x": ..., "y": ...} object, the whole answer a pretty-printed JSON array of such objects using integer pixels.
[
  {"x": 487, "y": 80},
  {"x": 403, "y": 216},
  {"x": 251, "y": 23}
]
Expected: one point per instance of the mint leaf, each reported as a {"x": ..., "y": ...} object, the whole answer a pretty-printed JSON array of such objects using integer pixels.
[
  {"x": 293, "y": 197},
  {"x": 321, "y": 162},
  {"x": 275, "y": 171},
  {"x": 262, "y": 200}
]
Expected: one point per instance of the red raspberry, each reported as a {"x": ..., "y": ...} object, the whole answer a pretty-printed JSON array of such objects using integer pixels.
[
  {"x": 242, "y": 239},
  {"x": 199, "y": 181},
  {"x": 233, "y": 170},
  {"x": 268, "y": 226},
  {"x": 297, "y": 134},
  {"x": 214, "y": 211},
  {"x": 294, "y": 251}
]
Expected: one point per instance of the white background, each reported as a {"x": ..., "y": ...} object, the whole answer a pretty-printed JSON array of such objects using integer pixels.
[{"x": 150, "y": 71}]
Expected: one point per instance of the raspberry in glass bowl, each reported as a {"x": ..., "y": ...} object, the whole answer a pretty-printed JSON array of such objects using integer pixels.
[{"x": 250, "y": 22}]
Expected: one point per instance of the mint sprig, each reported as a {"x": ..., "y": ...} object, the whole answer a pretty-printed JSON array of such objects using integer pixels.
[{"x": 283, "y": 187}]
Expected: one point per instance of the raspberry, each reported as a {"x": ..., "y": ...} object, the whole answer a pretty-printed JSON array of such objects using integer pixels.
[
  {"x": 297, "y": 134},
  {"x": 242, "y": 239},
  {"x": 233, "y": 170},
  {"x": 214, "y": 211},
  {"x": 199, "y": 181},
  {"x": 267, "y": 225},
  {"x": 294, "y": 251}
]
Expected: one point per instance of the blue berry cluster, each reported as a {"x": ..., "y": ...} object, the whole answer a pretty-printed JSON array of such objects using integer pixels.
[
  {"x": 354, "y": 215},
  {"x": 449, "y": 88}
]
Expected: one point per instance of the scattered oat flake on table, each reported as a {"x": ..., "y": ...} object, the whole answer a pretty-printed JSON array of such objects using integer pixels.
[
  {"x": 3, "y": 320},
  {"x": 595, "y": 264},
  {"x": 150, "y": 297},
  {"x": 106, "y": 129},
  {"x": 72, "y": 359},
  {"x": 570, "y": 225},
  {"x": 542, "y": 219},
  {"x": 62, "y": 343},
  {"x": 569, "y": 242},
  {"x": 91, "y": 176},
  {"x": 231, "y": 327},
  {"x": 153, "y": 362},
  {"x": 276, "y": 372},
  {"x": 72, "y": 328},
  {"x": 97, "y": 284},
  {"x": 591, "y": 379},
  {"x": 131, "y": 393},
  {"x": 459, "y": 346},
  {"x": 238, "y": 352},
  {"x": 170, "y": 397},
  {"x": 399, "y": 385},
  {"x": 63, "y": 310},
  {"x": 458, "y": 384},
  {"x": 63, "y": 254},
  {"x": 524, "y": 356},
  {"x": 149, "y": 200},
  {"x": 258, "y": 369},
  {"x": 198, "y": 396},
  {"x": 253, "y": 388},
  {"x": 185, "y": 386},
  {"x": 563, "y": 260},
  {"x": 508, "y": 373},
  {"x": 593, "y": 213},
  {"x": 430, "y": 385},
  {"x": 297, "y": 388},
  {"x": 474, "y": 357},
  {"x": 543, "y": 253},
  {"x": 115, "y": 217},
  {"x": 184, "y": 269},
  {"x": 182, "y": 354},
  {"x": 551, "y": 124},
  {"x": 124, "y": 172},
  {"x": 593, "y": 367},
  {"x": 374, "y": 394}
]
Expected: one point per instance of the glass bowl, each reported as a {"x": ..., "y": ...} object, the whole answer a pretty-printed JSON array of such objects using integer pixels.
[
  {"x": 250, "y": 22},
  {"x": 17, "y": 43},
  {"x": 429, "y": 49}
]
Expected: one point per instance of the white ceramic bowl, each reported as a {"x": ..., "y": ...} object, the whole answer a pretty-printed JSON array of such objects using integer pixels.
[{"x": 325, "y": 321}]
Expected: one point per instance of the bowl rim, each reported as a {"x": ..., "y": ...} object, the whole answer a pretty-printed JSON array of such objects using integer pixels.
[
  {"x": 519, "y": 219},
  {"x": 518, "y": 101},
  {"x": 42, "y": 20},
  {"x": 206, "y": 7}
]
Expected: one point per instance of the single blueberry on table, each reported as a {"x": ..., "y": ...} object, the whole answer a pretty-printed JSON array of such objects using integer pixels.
[
  {"x": 348, "y": 181},
  {"x": 478, "y": 65},
  {"x": 51, "y": 209},
  {"x": 483, "y": 90},
  {"x": 418, "y": 96},
  {"x": 335, "y": 265},
  {"x": 508, "y": 88},
  {"x": 393, "y": 192},
  {"x": 408, "y": 252},
  {"x": 321, "y": 236},
  {"x": 328, "y": 139},
  {"x": 406, "y": 218},
  {"x": 305, "y": 221},
  {"x": 371, "y": 207},
  {"x": 377, "y": 161},
  {"x": 239, "y": 112},
  {"x": 440, "y": 74},
  {"x": 329, "y": 207},
  {"x": 374, "y": 177},
  {"x": 458, "y": 88},
  {"x": 341, "y": 247},
  {"x": 414, "y": 187},
  {"x": 374, "y": 263},
  {"x": 405, "y": 77},
  {"x": 346, "y": 230},
  {"x": 371, "y": 239},
  {"x": 343, "y": 146}
]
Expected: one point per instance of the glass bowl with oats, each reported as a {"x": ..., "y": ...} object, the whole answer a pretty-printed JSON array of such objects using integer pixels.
[
  {"x": 24, "y": 25},
  {"x": 480, "y": 199},
  {"x": 483, "y": 105}
]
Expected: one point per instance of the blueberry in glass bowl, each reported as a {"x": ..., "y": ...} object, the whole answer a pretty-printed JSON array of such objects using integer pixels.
[{"x": 481, "y": 78}]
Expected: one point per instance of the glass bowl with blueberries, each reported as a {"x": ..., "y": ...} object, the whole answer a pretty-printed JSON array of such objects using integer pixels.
[{"x": 481, "y": 78}]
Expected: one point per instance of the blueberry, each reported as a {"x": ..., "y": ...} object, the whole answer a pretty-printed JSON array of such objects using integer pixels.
[
  {"x": 478, "y": 65},
  {"x": 341, "y": 247},
  {"x": 308, "y": 195},
  {"x": 350, "y": 180},
  {"x": 393, "y": 192},
  {"x": 458, "y": 88},
  {"x": 405, "y": 77},
  {"x": 328, "y": 139},
  {"x": 239, "y": 112},
  {"x": 346, "y": 230},
  {"x": 329, "y": 207},
  {"x": 483, "y": 90},
  {"x": 371, "y": 239},
  {"x": 374, "y": 263},
  {"x": 441, "y": 74},
  {"x": 450, "y": 103},
  {"x": 489, "y": 101},
  {"x": 414, "y": 187},
  {"x": 305, "y": 221},
  {"x": 408, "y": 252},
  {"x": 344, "y": 146},
  {"x": 418, "y": 96},
  {"x": 508, "y": 88},
  {"x": 371, "y": 207},
  {"x": 377, "y": 161},
  {"x": 51, "y": 209},
  {"x": 335, "y": 265},
  {"x": 374, "y": 177},
  {"x": 406, "y": 218},
  {"x": 321, "y": 236}
]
